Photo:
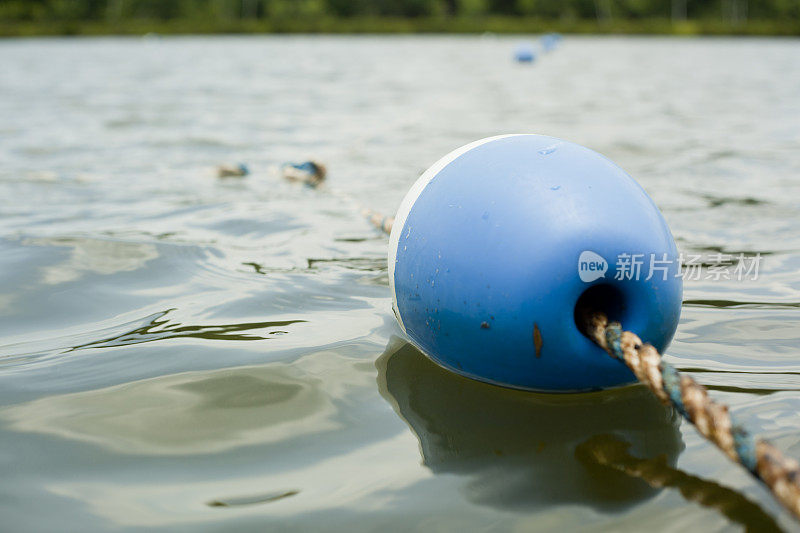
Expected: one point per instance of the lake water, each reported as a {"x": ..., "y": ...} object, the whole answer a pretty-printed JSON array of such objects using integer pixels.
[{"x": 186, "y": 353}]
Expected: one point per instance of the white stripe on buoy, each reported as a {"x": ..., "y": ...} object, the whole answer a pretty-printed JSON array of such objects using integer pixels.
[{"x": 408, "y": 203}]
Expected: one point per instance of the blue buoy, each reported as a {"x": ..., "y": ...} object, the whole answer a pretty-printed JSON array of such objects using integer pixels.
[
  {"x": 310, "y": 173},
  {"x": 524, "y": 54},
  {"x": 498, "y": 243},
  {"x": 550, "y": 41}
]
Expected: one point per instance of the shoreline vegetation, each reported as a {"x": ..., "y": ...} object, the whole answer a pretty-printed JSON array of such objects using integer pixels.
[
  {"x": 19, "y": 18},
  {"x": 497, "y": 24}
]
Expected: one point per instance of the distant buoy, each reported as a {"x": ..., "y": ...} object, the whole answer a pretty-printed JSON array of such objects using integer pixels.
[
  {"x": 499, "y": 242},
  {"x": 232, "y": 171},
  {"x": 310, "y": 173},
  {"x": 524, "y": 54},
  {"x": 550, "y": 41}
]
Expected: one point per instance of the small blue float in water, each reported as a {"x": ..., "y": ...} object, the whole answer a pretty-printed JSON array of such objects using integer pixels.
[
  {"x": 550, "y": 41},
  {"x": 309, "y": 172},
  {"x": 498, "y": 243},
  {"x": 524, "y": 53}
]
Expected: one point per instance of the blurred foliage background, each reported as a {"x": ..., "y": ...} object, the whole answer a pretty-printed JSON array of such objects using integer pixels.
[{"x": 19, "y": 17}]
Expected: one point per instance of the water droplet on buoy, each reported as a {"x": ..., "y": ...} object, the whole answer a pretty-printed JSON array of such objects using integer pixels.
[{"x": 549, "y": 150}]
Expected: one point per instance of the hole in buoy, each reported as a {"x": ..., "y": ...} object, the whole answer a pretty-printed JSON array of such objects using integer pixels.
[{"x": 603, "y": 297}]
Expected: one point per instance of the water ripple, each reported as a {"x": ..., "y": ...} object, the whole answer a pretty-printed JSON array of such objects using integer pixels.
[
  {"x": 157, "y": 329},
  {"x": 151, "y": 328}
]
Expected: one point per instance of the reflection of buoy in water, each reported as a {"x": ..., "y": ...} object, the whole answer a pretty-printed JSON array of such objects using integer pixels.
[
  {"x": 518, "y": 449},
  {"x": 497, "y": 245},
  {"x": 309, "y": 172},
  {"x": 524, "y": 53},
  {"x": 232, "y": 171}
]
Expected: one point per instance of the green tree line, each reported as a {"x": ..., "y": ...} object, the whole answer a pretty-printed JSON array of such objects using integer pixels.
[{"x": 599, "y": 10}]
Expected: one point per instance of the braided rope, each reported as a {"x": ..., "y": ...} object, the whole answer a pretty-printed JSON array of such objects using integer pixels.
[{"x": 779, "y": 473}]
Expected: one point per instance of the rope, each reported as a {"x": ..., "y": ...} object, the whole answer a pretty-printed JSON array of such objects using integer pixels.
[
  {"x": 378, "y": 220},
  {"x": 313, "y": 175},
  {"x": 779, "y": 473}
]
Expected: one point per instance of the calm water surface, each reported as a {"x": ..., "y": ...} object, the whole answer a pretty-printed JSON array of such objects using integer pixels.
[{"x": 185, "y": 353}]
